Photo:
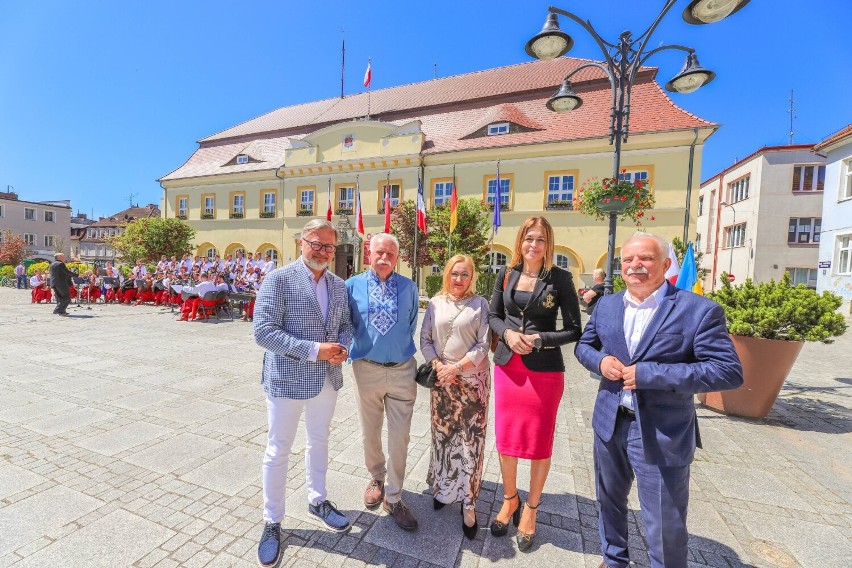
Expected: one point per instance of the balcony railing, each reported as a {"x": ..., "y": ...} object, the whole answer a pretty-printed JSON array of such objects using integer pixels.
[
  {"x": 503, "y": 206},
  {"x": 343, "y": 211},
  {"x": 207, "y": 216},
  {"x": 305, "y": 213},
  {"x": 267, "y": 214},
  {"x": 235, "y": 216}
]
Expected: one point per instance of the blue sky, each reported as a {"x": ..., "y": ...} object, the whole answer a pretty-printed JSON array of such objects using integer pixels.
[{"x": 99, "y": 99}]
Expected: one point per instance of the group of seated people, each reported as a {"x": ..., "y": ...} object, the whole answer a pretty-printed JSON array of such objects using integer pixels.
[{"x": 193, "y": 277}]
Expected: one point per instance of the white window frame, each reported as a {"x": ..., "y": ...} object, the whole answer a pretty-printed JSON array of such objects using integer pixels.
[
  {"x": 820, "y": 168},
  {"x": 49, "y": 241},
  {"x": 813, "y": 229},
  {"x": 30, "y": 239},
  {"x": 496, "y": 261},
  {"x": 31, "y": 211},
  {"x": 562, "y": 190},
  {"x": 269, "y": 204},
  {"x": 504, "y": 193},
  {"x": 52, "y": 215},
  {"x": 795, "y": 272},
  {"x": 211, "y": 253},
  {"x": 635, "y": 175},
  {"x": 739, "y": 190},
  {"x": 845, "y": 181},
  {"x": 238, "y": 204},
  {"x": 557, "y": 260},
  {"x": 346, "y": 197},
  {"x": 843, "y": 265},
  {"x": 306, "y": 200},
  {"x": 211, "y": 209},
  {"x": 498, "y": 128},
  {"x": 183, "y": 203},
  {"x": 395, "y": 192},
  {"x": 242, "y": 159},
  {"x": 700, "y": 205},
  {"x": 442, "y": 192},
  {"x": 735, "y": 235},
  {"x": 271, "y": 252},
  {"x": 698, "y": 242}
]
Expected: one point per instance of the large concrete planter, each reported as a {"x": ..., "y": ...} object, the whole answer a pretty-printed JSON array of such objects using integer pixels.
[{"x": 766, "y": 364}]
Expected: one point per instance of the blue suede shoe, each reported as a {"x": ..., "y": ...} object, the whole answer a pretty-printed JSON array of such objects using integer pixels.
[
  {"x": 330, "y": 516},
  {"x": 269, "y": 549}
]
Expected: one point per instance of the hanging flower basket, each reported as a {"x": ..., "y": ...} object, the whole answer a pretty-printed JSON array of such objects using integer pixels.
[{"x": 598, "y": 198}]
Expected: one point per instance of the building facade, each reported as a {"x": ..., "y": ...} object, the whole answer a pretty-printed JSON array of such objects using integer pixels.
[
  {"x": 93, "y": 244},
  {"x": 252, "y": 187},
  {"x": 44, "y": 225},
  {"x": 835, "y": 248},
  {"x": 763, "y": 216}
]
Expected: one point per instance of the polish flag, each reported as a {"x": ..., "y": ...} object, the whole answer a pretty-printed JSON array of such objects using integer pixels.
[
  {"x": 328, "y": 211},
  {"x": 421, "y": 208},
  {"x": 387, "y": 208},
  {"x": 368, "y": 75},
  {"x": 359, "y": 217},
  {"x": 674, "y": 270}
]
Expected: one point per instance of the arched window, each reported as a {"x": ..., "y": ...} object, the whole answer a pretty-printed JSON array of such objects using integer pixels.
[
  {"x": 211, "y": 252},
  {"x": 561, "y": 261},
  {"x": 273, "y": 253},
  {"x": 497, "y": 261}
]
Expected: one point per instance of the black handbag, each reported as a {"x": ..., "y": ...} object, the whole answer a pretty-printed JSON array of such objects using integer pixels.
[{"x": 426, "y": 375}]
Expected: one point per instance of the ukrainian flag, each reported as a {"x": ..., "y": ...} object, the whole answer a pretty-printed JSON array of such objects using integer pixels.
[{"x": 688, "y": 277}]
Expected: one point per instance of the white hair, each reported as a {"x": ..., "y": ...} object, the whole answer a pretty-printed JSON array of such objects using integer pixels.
[
  {"x": 388, "y": 237},
  {"x": 316, "y": 225},
  {"x": 662, "y": 244}
]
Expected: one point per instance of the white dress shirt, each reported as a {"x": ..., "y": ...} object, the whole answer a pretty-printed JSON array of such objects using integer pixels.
[
  {"x": 321, "y": 293},
  {"x": 637, "y": 316}
]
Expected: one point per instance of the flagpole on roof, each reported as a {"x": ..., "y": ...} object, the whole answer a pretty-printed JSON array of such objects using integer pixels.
[{"x": 342, "y": 58}]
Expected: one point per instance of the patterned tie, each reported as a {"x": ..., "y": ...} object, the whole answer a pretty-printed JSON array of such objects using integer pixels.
[{"x": 382, "y": 302}]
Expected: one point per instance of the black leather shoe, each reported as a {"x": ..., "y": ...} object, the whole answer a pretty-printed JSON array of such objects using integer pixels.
[
  {"x": 469, "y": 531},
  {"x": 525, "y": 541},
  {"x": 499, "y": 528}
]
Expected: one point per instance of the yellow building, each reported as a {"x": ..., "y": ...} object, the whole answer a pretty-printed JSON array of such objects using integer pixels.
[{"x": 253, "y": 186}]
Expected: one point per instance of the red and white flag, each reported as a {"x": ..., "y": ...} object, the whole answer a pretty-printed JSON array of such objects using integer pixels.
[
  {"x": 359, "y": 217},
  {"x": 387, "y": 208},
  {"x": 368, "y": 75},
  {"x": 674, "y": 270},
  {"x": 421, "y": 208},
  {"x": 328, "y": 211}
]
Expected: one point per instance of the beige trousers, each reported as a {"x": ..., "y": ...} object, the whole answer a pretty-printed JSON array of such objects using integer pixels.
[{"x": 379, "y": 391}]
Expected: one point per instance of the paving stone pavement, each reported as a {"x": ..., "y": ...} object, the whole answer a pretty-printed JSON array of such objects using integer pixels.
[{"x": 130, "y": 439}]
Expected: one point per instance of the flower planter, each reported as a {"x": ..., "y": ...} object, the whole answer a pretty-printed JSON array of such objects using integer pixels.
[
  {"x": 766, "y": 364},
  {"x": 613, "y": 205}
]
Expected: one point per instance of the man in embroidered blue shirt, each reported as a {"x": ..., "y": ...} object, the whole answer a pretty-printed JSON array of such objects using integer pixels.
[
  {"x": 301, "y": 318},
  {"x": 384, "y": 308}
]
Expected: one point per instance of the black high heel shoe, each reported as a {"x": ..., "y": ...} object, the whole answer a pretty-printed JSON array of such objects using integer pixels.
[
  {"x": 499, "y": 528},
  {"x": 525, "y": 541},
  {"x": 469, "y": 531},
  {"x": 437, "y": 505}
]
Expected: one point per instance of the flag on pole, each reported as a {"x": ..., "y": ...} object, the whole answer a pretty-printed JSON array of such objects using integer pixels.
[
  {"x": 688, "y": 278},
  {"x": 328, "y": 211},
  {"x": 454, "y": 205},
  {"x": 387, "y": 207},
  {"x": 359, "y": 217},
  {"x": 368, "y": 75},
  {"x": 674, "y": 269},
  {"x": 421, "y": 207},
  {"x": 496, "y": 221}
]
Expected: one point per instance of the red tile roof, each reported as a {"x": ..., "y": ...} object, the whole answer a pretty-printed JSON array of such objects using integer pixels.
[
  {"x": 452, "y": 108},
  {"x": 836, "y": 137},
  {"x": 127, "y": 215}
]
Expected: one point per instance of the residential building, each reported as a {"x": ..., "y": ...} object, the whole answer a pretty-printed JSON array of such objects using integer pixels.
[
  {"x": 94, "y": 247},
  {"x": 253, "y": 186},
  {"x": 763, "y": 216},
  {"x": 44, "y": 225},
  {"x": 79, "y": 223},
  {"x": 835, "y": 247}
]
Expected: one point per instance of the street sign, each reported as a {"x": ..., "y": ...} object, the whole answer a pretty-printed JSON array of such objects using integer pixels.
[
  {"x": 825, "y": 264},
  {"x": 730, "y": 277}
]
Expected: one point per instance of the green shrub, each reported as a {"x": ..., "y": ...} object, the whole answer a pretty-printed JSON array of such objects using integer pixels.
[
  {"x": 433, "y": 284},
  {"x": 485, "y": 285},
  {"x": 7, "y": 271},
  {"x": 618, "y": 284},
  {"x": 779, "y": 310},
  {"x": 43, "y": 266}
]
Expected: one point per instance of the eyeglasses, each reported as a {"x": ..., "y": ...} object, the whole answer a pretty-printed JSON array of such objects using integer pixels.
[
  {"x": 459, "y": 275},
  {"x": 316, "y": 245}
]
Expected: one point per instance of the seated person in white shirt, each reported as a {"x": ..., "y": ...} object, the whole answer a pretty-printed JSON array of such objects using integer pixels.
[
  {"x": 268, "y": 266},
  {"x": 40, "y": 292},
  {"x": 189, "y": 309}
]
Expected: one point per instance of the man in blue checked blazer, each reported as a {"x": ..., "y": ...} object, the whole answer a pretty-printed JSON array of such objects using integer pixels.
[
  {"x": 654, "y": 346},
  {"x": 302, "y": 319}
]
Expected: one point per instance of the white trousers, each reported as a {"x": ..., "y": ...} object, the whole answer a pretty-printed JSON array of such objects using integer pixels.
[{"x": 283, "y": 415}]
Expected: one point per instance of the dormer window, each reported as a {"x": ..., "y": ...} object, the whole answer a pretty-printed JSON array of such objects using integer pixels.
[
  {"x": 242, "y": 159},
  {"x": 498, "y": 128}
]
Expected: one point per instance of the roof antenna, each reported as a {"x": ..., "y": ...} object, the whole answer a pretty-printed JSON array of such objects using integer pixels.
[
  {"x": 130, "y": 198},
  {"x": 435, "y": 71}
]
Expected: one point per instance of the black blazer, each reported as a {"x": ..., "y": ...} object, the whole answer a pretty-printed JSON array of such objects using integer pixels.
[{"x": 552, "y": 294}]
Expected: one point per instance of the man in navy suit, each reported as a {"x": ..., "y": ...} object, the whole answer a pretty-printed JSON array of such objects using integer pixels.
[
  {"x": 301, "y": 318},
  {"x": 654, "y": 346}
]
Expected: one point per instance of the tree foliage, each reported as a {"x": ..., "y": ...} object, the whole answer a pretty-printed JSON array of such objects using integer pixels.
[
  {"x": 13, "y": 248},
  {"x": 151, "y": 237},
  {"x": 470, "y": 236},
  {"x": 778, "y": 310},
  {"x": 680, "y": 251}
]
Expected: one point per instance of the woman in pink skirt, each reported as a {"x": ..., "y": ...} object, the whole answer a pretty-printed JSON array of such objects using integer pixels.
[{"x": 529, "y": 296}]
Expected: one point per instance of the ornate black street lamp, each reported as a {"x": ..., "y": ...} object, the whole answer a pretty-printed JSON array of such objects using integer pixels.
[{"x": 622, "y": 61}]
